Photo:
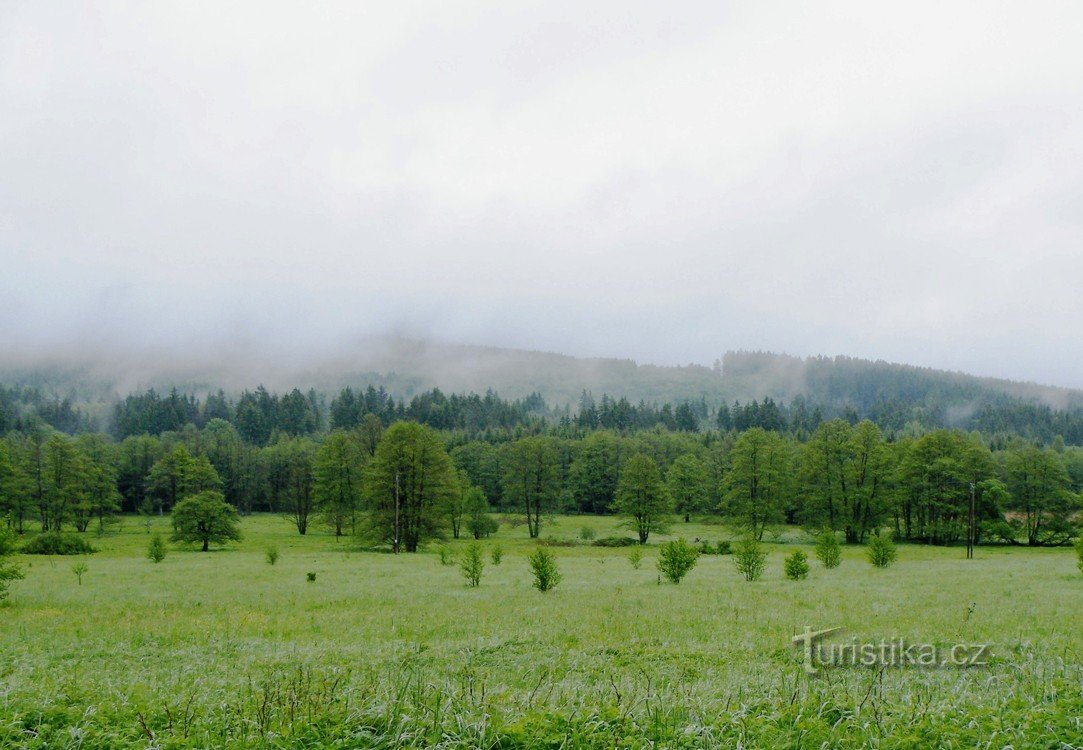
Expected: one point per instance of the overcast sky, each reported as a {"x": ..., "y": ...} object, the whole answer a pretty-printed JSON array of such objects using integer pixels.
[{"x": 661, "y": 181}]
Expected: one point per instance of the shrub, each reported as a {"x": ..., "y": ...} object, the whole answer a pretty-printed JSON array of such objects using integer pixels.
[
  {"x": 586, "y": 533},
  {"x": 472, "y": 564},
  {"x": 828, "y": 551},
  {"x": 749, "y": 558},
  {"x": 675, "y": 559},
  {"x": 156, "y": 551},
  {"x": 79, "y": 569},
  {"x": 881, "y": 551},
  {"x": 706, "y": 548},
  {"x": 725, "y": 548},
  {"x": 614, "y": 541},
  {"x": 552, "y": 541},
  {"x": 544, "y": 567},
  {"x": 497, "y": 554},
  {"x": 272, "y": 555},
  {"x": 796, "y": 566},
  {"x": 447, "y": 557},
  {"x": 310, "y": 577},
  {"x": 1079, "y": 553},
  {"x": 482, "y": 526},
  {"x": 57, "y": 543},
  {"x": 635, "y": 557}
]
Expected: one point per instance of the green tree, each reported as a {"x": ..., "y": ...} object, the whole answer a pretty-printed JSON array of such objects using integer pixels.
[
  {"x": 1040, "y": 493},
  {"x": 167, "y": 477},
  {"x": 543, "y": 566},
  {"x": 532, "y": 478},
  {"x": 642, "y": 497},
  {"x": 881, "y": 550},
  {"x": 156, "y": 550},
  {"x": 205, "y": 518},
  {"x": 595, "y": 471},
  {"x": 688, "y": 484},
  {"x": 339, "y": 479},
  {"x": 749, "y": 558},
  {"x": 64, "y": 482},
  {"x": 99, "y": 499},
  {"x": 408, "y": 486},
  {"x": 675, "y": 559},
  {"x": 472, "y": 564},
  {"x": 828, "y": 550},
  {"x": 796, "y": 566},
  {"x": 757, "y": 481},
  {"x": 844, "y": 472}
]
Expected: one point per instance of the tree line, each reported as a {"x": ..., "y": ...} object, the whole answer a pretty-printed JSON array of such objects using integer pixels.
[{"x": 393, "y": 478}]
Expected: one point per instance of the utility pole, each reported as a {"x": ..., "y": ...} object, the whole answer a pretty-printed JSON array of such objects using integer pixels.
[{"x": 970, "y": 535}]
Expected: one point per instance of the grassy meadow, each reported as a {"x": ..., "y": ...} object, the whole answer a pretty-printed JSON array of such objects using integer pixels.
[{"x": 223, "y": 650}]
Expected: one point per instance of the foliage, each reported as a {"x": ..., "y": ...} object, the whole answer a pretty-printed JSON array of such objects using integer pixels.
[
  {"x": 758, "y": 480},
  {"x": 796, "y": 566},
  {"x": 881, "y": 550},
  {"x": 496, "y": 554},
  {"x": 828, "y": 551},
  {"x": 156, "y": 550},
  {"x": 675, "y": 559},
  {"x": 687, "y": 481},
  {"x": 532, "y": 479},
  {"x": 749, "y": 558},
  {"x": 642, "y": 497},
  {"x": 79, "y": 569},
  {"x": 57, "y": 543},
  {"x": 447, "y": 556},
  {"x": 410, "y": 481},
  {"x": 1079, "y": 553},
  {"x": 310, "y": 577},
  {"x": 205, "y": 518},
  {"x": 271, "y": 555},
  {"x": 472, "y": 564},
  {"x": 615, "y": 541},
  {"x": 635, "y": 557},
  {"x": 543, "y": 566},
  {"x": 587, "y": 533}
]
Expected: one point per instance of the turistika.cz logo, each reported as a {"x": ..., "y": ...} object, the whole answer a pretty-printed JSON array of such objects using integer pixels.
[{"x": 818, "y": 652}]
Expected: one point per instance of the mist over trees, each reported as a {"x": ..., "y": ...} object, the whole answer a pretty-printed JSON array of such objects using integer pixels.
[{"x": 433, "y": 464}]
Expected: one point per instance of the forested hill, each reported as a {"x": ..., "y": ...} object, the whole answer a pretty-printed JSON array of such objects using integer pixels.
[{"x": 891, "y": 394}]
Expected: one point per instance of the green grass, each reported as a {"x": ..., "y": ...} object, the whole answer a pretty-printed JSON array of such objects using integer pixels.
[{"x": 223, "y": 650}]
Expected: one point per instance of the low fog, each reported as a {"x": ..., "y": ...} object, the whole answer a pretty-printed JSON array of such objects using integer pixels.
[{"x": 276, "y": 184}]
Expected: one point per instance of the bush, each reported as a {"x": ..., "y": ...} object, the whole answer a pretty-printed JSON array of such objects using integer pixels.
[
  {"x": 482, "y": 526},
  {"x": 156, "y": 551},
  {"x": 828, "y": 550},
  {"x": 706, "y": 548},
  {"x": 881, "y": 551},
  {"x": 749, "y": 558},
  {"x": 544, "y": 567},
  {"x": 57, "y": 543},
  {"x": 796, "y": 566},
  {"x": 586, "y": 533},
  {"x": 79, "y": 569},
  {"x": 552, "y": 541},
  {"x": 725, "y": 548},
  {"x": 447, "y": 557},
  {"x": 310, "y": 577},
  {"x": 675, "y": 559},
  {"x": 497, "y": 554},
  {"x": 614, "y": 541},
  {"x": 472, "y": 565},
  {"x": 1079, "y": 553},
  {"x": 272, "y": 555},
  {"x": 635, "y": 557}
]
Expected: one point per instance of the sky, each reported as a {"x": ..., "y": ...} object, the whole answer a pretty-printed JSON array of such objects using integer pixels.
[{"x": 656, "y": 181}]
